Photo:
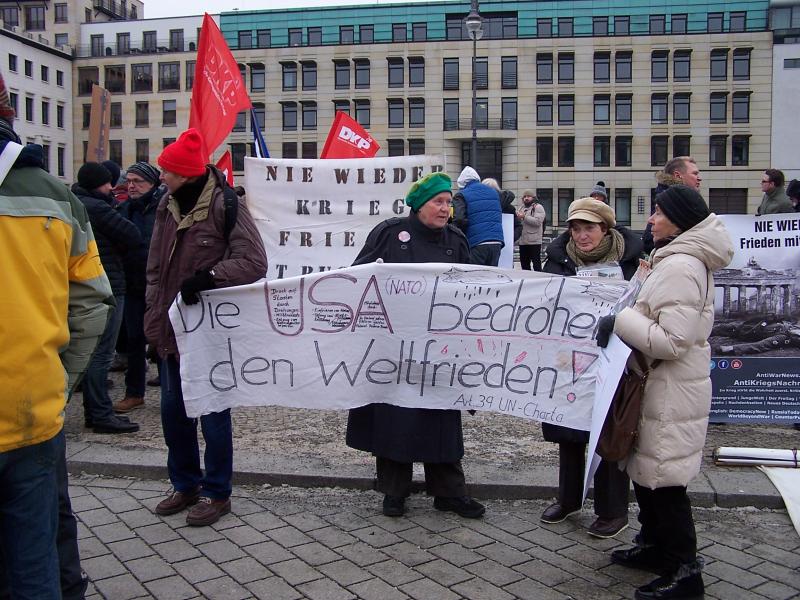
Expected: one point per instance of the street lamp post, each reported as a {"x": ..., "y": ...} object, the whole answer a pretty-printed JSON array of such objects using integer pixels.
[{"x": 474, "y": 25}]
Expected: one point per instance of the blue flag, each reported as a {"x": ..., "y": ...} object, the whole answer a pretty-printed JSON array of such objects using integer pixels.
[{"x": 258, "y": 140}]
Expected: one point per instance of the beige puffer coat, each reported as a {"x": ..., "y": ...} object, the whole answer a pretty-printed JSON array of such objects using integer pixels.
[{"x": 671, "y": 321}]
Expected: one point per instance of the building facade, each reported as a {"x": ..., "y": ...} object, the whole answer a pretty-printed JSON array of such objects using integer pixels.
[{"x": 785, "y": 26}]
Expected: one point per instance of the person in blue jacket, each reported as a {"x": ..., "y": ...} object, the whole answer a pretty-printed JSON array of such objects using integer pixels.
[{"x": 477, "y": 212}]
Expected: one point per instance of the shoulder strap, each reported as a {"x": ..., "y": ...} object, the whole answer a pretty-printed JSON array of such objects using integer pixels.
[{"x": 231, "y": 210}]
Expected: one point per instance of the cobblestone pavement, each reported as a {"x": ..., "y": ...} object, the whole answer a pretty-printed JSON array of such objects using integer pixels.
[{"x": 334, "y": 544}]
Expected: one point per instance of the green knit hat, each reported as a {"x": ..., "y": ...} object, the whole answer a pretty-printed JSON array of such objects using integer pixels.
[{"x": 426, "y": 188}]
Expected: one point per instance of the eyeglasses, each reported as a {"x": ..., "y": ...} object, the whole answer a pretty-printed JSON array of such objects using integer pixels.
[
  {"x": 766, "y": 181},
  {"x": 135, "y": 182}
]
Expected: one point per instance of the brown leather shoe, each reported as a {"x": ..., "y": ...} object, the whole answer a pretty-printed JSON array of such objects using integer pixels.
[
  {"x": 607, "y": 528},
  {"x": 208, "y": 511},
  {"x": 128, "y": 403},
  {"x": 176, "y": 502},
  {"x": 555, "y": 513}
]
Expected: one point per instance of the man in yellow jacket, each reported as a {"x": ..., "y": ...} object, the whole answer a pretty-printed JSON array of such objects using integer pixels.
[{"x": 53, "y": 308}]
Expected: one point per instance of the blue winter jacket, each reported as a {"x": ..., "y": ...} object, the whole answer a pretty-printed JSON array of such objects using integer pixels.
[{"x": 478, "y": 213}]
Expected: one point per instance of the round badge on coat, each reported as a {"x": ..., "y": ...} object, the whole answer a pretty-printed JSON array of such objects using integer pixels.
[{"x": 404, "y": 236}]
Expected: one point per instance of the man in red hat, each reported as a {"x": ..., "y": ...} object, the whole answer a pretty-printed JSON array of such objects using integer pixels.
[{"x": 193, "y": 250}]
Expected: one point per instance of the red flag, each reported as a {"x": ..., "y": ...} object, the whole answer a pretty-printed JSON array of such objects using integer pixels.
[
  {"x": 219, "y": 92},
  {"x": 348, "y": 139},
  {"x": 225, "y": 164}
]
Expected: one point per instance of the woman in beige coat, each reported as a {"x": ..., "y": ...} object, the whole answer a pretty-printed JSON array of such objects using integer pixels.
[{"x": 671, "y": 321}]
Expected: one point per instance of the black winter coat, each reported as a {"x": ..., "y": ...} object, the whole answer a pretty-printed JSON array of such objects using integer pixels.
[
  {"x": 559, "y": 263},
  {"x": 115, "y": 235},
  {"x": 394, "y": 432},
  {"x": 142, "y": 213}
]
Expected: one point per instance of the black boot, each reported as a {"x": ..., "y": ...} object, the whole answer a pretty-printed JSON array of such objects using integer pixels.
[
  {"x": 645, "y": 557},
  {"x": 686, "y": 584}
]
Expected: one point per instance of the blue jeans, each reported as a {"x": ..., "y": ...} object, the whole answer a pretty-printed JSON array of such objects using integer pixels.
[
  {"x": 73, "y": 584},
  {"x": 29, "y": 520},
  {"x": 180, "y": 434},
  {"x": 96, "y": 401},
  {"x": 137, "y": 345}
]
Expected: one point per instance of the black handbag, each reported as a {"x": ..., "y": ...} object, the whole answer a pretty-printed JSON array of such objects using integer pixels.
[{"x": 621, "y": 426}]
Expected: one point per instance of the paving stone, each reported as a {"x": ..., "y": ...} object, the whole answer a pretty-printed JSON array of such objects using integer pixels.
[
  {"x": 295, "y": 572},
  {"x": 332, "y": 537},
  {"x": 97, "y": 516},
  {"x": 377, "y": 589},
  {"x": 139, "y": 518},
  {"x": 729, "y": 591},
  {"x": 394, "y": 572},
  {"x": 376, "y": 537},
  {"x": 102, "y": 567},
  {"x": 587, "y": 556},
  {"x": 509, "y": 523},
  {"x": 736, "y": 576},
  {"x": 344, "y": 572},
  {"x": 288, "y": 536},
  {"x": 273, "y": 588},
  {"x": 176, "y": 550},
  {"x": 467, "y": 537},
  {"x": 198, "y": 569},
  {"x": 315, "y": 554},
  {"x": 731, "y": 555},
  {"x": 84, "y": 503},
  {"x": 425, "y": 589},
  {"x": 264, "y": 521},
  {"x": 543, "y": 572},
  {"x": 790, "y": 560},
  {"x": 528, "y": 589},
  {"x": 171, "y": 588},
  {"x": 501, "y": 536},
  {"x": 457, "y": 555},
  {"x": 324, "y": 589},
  {"x": 422, "y": 537},
  {"x": 434, "y": 522},
  {"x": 306, "y": 522},
  {"x": 581, "y": 588},
  {"x": 129, "y": 549},
  {"x": 89, "y": 547},
  {"x": 548, "y": 539},
  {"x": 122, "y": 504},
  {"x": 773, "y": 572},
  {"x": 150, "y": 568},
  {"x": 503, "y": 554},
  {"x": 155, "y": 534},
  {"x": 246, "y": 507},
  {"x": 392, "y": 524},
  {"x": 221, "y": 551},
  {"x": 246, "y": 570},
  {"x": 121, "y": 587},
  {"x": 113, "y": 532},
  {"x": 408, "y": 554},
  {"x": 244, "y": 535},
  {"x": 228, "y": 521},
  {"x": 223, "y": 588},
  {"x": 269, "y": 553},
  {"x": 775, "y": 590},
  {"x": 478, "y": 588},
  {"x": 567, "y": 564},
  {"x": 346, "y": 521},
  {"x": 199, "y": 535},
  {"x": 494, "y": 573}
]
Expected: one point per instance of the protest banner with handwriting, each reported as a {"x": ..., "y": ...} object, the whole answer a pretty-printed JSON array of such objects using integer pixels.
[{"x": 416, "y": 335}]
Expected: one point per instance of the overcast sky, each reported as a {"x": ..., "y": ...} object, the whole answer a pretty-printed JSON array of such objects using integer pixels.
[{"x": 177, "y": 8}]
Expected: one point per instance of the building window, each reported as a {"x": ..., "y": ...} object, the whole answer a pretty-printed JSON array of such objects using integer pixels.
[
  {"x": 565, "y": 198},
  {"x": 366, "y": 34},
  {"x": 508, "y": 72},
  {"x": 602, "y": 109},
  {"x": 599, "y": 26},
  {"x": 169, "y": 113},
  {"x": 289, "y": 116},
  {"x": 719, "y": 64},
  {"x": 167, "y": 141},
  {"x": 396, "y": 72},
  {"x": 396, "y": 147},
  {"x": 622, "y": 206},
  {"x": 115, "y": 115},
  {"x": 681, "y": 145},
  {"x": 141, "y": 78},
  {"x": 416, "y": 71},
  {"x": 28, "y": 68},
  {"x": 142, "y": 114},
  {"x": 86, "y": 112},
  {"x": 289, "y": 150},
  {"x": 544, "y": 196},
  {"x": 544, "y": 68},
  {"x": 623, "y": 151},
  {"x": 142, "y": 150},
  {"x": 544, "y": 28},
  {"x": 260, "y": 113},
  {"x": 602, "y": 67},
  {"x": 60, "y": 78},
  {"x": 791, "y": 63},
  {"x": 682, "y": 65},
  {"x": 544, "y": 110},
  {"x": 87, "y": 77},
  {"x": 238, "y": 152},
  {"x": 681, "y": 110},
  {"x": 263, "y": 38},
  {"x": 399, "y": 32},
  {"x": 566, "y": 67},
  {"x": 728, "y": 200},
  {"x": 314, "y": 36},
  {"x": 341, "y": 106},
  {"x": 149, "y": 41},
  {"x": 176, "y": 40},
  {"x": 309, "y": 150},
  {"x": 565, "y": 27},
  {"x": 169, "y": 76},
  {"x": 396, "y": 108},
  {"x": 715, "y": 22},
  {"x": 678, "y": 24},
  {"x": 258, "y": 77},
  {"x": 346, "y": 34},
  {"x": 115, "y": 79},
  {"x": 741, "y": 107},
  {"x": 289, "y": 76},
  {"x": 29, "y": 109},
  {"x": 659, "y": 68},
  {"x": 46, "y": 112},
  {"x": 718, "y": 109},
  {"x": 245, "y": 39},
  {"x": 509, "y": 113},
  {"x": 295, "y": 37},
  {"x": 61, "y": 39},
  {"x": 123, "y": 43},
  {"x": 623, "y": 109},
  {"x": 450, "y": 73},
  {"x": 60, "y": 116},
  {"x": 61, "y": 160},
  {"x": 658, "y": 108},
  {"x": 658, "y": 150},
  {"x": 450, "y": 115},
  {"x": 741, "y": 63},
  {"x": 190, "y": 65},
  {"x": 566, "y": 151},
  {"x": 657, "y": 24},
  {"x": 362, "y": 72},
  {"x": 45, "y": 73},
  {"x": 416, "y": 112},
  {"x": 544, "y": 152},
  {"x": 363, "y": 112},
  {"x": 622, "y": 25},
  {"x": 740, "y": 150},
  {"x": 341, "y": 74},
  {"x": 623, "y": 67},
  {"x": 738, "y": 22},
  {"x": 309, "y": 115},
  {"x": 309, "y": 75},
  {"x": 419, "y": 32},
  {"x": 34, "y": 18},
  {"x": 416, "y": 147},
  {"x": 481, "y": 73},
  {"x": 717, "y": 150},
  {"x": 115, "y": 151},
  {"x": 602, "y": 151}
]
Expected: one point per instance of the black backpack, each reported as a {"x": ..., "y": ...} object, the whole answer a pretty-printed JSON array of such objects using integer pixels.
[{"x": 231, "y": 210}]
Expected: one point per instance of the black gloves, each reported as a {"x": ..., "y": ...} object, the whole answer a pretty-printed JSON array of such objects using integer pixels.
[
  {"x": 200, "y": 281},
  {"x": 605, "y": 327}
]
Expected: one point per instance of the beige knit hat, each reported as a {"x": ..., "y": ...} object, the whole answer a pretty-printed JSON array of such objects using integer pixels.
[{"x": 589, "y": 209}]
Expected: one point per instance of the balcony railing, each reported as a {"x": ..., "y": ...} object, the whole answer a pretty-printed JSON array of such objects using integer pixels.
[
  {"x": 480, "y": 123},
  {"x": 134, "y": 47},
  {"x": 114, "y": 9}
]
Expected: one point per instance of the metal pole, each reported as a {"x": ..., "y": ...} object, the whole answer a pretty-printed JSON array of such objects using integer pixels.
[{"x": 474, "y": 149}]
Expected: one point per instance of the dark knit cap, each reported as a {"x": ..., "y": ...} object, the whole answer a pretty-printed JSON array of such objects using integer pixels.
[
  {"x": 793, "y": 189},
  {"x": 683, "y": 205},
  {"x": 92, "y": 175},
  {"x": 146, "y": 171},
  {"x": 114, "y": 169}
]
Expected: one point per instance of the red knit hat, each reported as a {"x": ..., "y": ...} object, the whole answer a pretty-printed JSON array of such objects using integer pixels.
[
  {"x": 185, "y": 155},
  {"x": 6, "y": 110}
]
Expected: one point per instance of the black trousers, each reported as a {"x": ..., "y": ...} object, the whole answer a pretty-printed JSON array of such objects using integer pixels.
[
  {"x": 441, "y": 479},
  {"x": 611, "y": 485},
  {"x": 530, "y": 254},
  {"x": 667, "y": 523},
  {"x": 485, "y": 254}
]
